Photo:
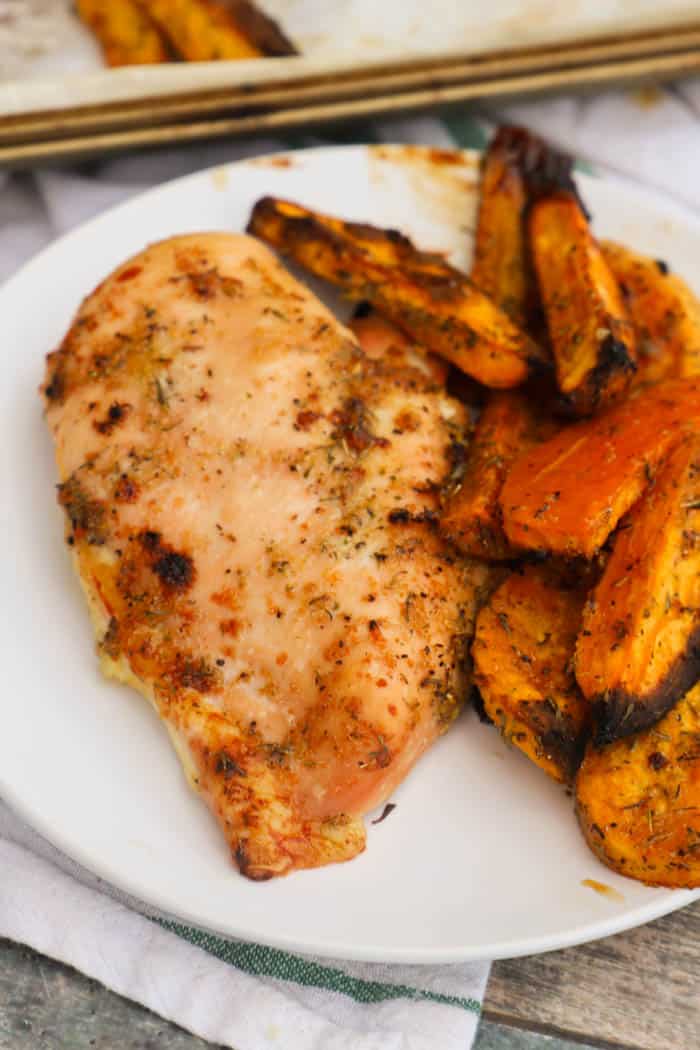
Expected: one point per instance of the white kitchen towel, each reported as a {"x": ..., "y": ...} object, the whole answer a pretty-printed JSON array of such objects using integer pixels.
[{"x": 241, "y": 995}]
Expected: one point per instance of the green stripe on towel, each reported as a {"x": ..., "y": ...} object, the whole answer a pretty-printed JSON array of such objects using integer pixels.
[{"x": 260, "y": 961}]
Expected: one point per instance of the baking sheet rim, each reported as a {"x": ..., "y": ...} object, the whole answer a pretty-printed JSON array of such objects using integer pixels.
[
  {"x": 134, "y": 84},
  {"x": 94, "y": 144}
]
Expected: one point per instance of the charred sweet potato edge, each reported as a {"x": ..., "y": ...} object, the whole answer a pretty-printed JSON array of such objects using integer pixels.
[{"x": 430, "y": 300}]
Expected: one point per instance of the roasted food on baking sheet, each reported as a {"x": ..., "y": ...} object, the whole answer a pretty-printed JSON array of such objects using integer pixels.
[
  {"x": 592, "y": 338},
  {"x": 143, "y": 32},
  {"x": 250, "y": 502},
  {"x": 126, "y": 35},
  {"x": 639, "y": 648},
  {"x": 430, "y": 300},
  {"x": 522, "y": 651},
  {"x": 207, "y": 30},
  {"x": 471, "y": 515},
  {"x": 568, "y": 494},
  {"x": 664, "y": 311},
  {"x": 515, "y": 162},
  {"x": 638, "y": 800}
]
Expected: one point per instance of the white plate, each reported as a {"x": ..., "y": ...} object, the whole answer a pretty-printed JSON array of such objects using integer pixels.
[{"x": 482, "y": 857}]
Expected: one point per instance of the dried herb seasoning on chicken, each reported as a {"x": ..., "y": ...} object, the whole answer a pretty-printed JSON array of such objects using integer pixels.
[{"x": 254, "y": 528}]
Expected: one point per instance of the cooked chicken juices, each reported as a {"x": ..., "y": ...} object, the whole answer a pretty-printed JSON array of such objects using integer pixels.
[{"x": 250, "y": 503}]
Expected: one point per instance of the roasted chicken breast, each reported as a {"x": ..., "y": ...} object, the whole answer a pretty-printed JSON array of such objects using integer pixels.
[{"x": 250, "y": 501}]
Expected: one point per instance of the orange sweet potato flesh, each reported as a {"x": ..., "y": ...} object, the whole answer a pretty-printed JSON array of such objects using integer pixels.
[
  {"x": 515, "y": 166},
  {"x": 379, "y": 337},
  {"x": 207, "y": 30},
  {"x": 471, "y": 516},
  {"x": 522, "y": 652},
  {"x": 126, "y": 35},
  {"x": 435, "y": 304},
  {"x": 567, "y": 494},
  {"x": 639, "y": 647},
  {"x": 638, "y": 800},
  {"x": 501, "y": 266},
  {"x": 589, "y": 327},
  {"x": 664, "y": 311}
]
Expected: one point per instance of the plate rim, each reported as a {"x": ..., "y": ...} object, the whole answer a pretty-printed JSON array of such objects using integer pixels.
[
  {"x": 668, "y": 900},
  {"x": 586, "y": 933}
]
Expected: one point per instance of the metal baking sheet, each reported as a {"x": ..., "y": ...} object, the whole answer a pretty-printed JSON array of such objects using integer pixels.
[{"x": 49, "y": 62}]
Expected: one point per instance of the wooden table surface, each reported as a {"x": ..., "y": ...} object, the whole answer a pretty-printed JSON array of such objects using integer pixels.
[{"x": 636, "y": 991}]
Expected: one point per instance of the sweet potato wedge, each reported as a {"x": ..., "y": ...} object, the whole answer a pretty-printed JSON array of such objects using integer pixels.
[
  {"x": 434, "y": 303},
  {"x": 568, "y": 494},
  {"x": 126, "y": 35},
  {"x": 639, "y": 647},
  {"x": 638, "y": 800},
  {"x": 522, "y": 652},
  {"x": 379, "y": 337},
  {"x": 502, "y": 267},
  {"x": 207, "y": 30},
  {"x": 664, "y": 311},
  {"x": 471, "y": 515},
  {"x": 589, "y": 327}
]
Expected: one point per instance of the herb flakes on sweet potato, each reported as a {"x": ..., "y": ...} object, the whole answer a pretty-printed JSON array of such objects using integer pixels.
[
  {"x": 522, "y": 652},
  {"x": 514, "y": 167},
  {"x": 664, "y": 311},
  {"x": 567, "y": 494},
  {"x": 592, "y": 337},
  {"x": 501, "y": 266},
  {"x": 639, "y": 647},
  {"x": 435, "y": 304},
  {"x": 471, "y": 516},
  {"x": 638, "y": 800}
]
